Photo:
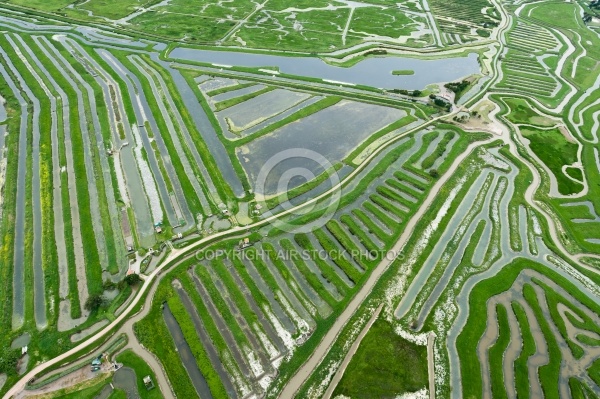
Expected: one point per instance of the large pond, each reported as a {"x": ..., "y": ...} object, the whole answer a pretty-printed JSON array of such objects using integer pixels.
[
  {"x": 302, "y": 150},
  {"x": 374, "y": 72}
]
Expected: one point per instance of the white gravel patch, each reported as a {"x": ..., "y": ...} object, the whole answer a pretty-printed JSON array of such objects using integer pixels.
[
  {"x": 358, "y": 326},
  {"x": 493, "y": 161},
  {"x": 265, "y": 382},
  {"x": 121, "y": 180},
  {"x": 441, "y": 316},
  {"x": 254, "y": 362},
  {"x": 277, "y": 362},
  {"x": 242, "y": 386},
  {"x": 147, "y": 178},
  {"x": 301, "y": 324},
  {"x": 284, "y": 334},
  {"x": 421, "y": 394},
  {"x": 269, "y": 347},
  {"x": 585, "y": 281},
  {"x": 419, "y": 339},
  {"x": 317, "y": 391},
  {"x": 500, "y": 190},
  {"x": 537, "y": 229},
  {"x": 309, "y": 306}
]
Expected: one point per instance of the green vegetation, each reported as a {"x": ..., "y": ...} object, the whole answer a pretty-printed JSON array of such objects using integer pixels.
[
  {"x": 8, "y": 360},
  {"x": 337, "y": 256},
  {"x": 403, "y": 72},
  {"x": 363, "y": 238},
  {"x": 550, "y": 372},
  {"x": 575, "y": 173},
  {"x": 153, "y": 333},
  {"x": 227, "y": 89},
  {"x": 555, "y": 151},
  {"x": 529, "y": 349},
  {"x": 141, "y": 368},
  {"x": 496, "y": 353},
  {"x": 456, "y": 19},
  {"x": 476, "y": 325},
  {"x": 439, "y": 151},
  {"x": 118, "y": 394},
  {"x": 458, "y": 87},
  {"x": 385, "y": 365},
  {"x": 326, "y": 269},
  {"x": 238, "y": 100},
  {"x": 94, "y": 302},
  {"x": 543, "y": 84},
  {"x": 191, "y": 337},
  {"x": 594, "y": 371},
  {"x": 522, "y": 112},
  {"x": 311, "y": 278},
  {"x": 310, "y": 30}
]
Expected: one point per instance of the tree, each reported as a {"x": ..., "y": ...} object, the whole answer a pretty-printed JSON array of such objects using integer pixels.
[
  {"x": 439, "y": 102},
  {"x": 132, "y": 279},
  {"x": 434, "y": 173},
  {"x": 94, "y": 302}
]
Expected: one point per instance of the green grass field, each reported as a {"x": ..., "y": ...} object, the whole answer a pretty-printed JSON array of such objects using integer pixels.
[
  {"x": 555, "y": 151},
  {"x": 385, "y": 365}
]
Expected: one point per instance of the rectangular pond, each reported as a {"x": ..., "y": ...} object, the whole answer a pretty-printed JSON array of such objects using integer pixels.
[
  {"x": 249, "y": 113},
  {"x": 303, "y": 149}
]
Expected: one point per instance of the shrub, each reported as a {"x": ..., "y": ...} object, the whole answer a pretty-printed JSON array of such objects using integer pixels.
[
  {"x": 8, "y": 360},
  {"x": 95, "y": 302},
  {"x": 132, "y": 279}
]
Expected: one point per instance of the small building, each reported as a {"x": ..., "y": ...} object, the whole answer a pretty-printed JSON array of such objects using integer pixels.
[{"x": 148, "y": 382}]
